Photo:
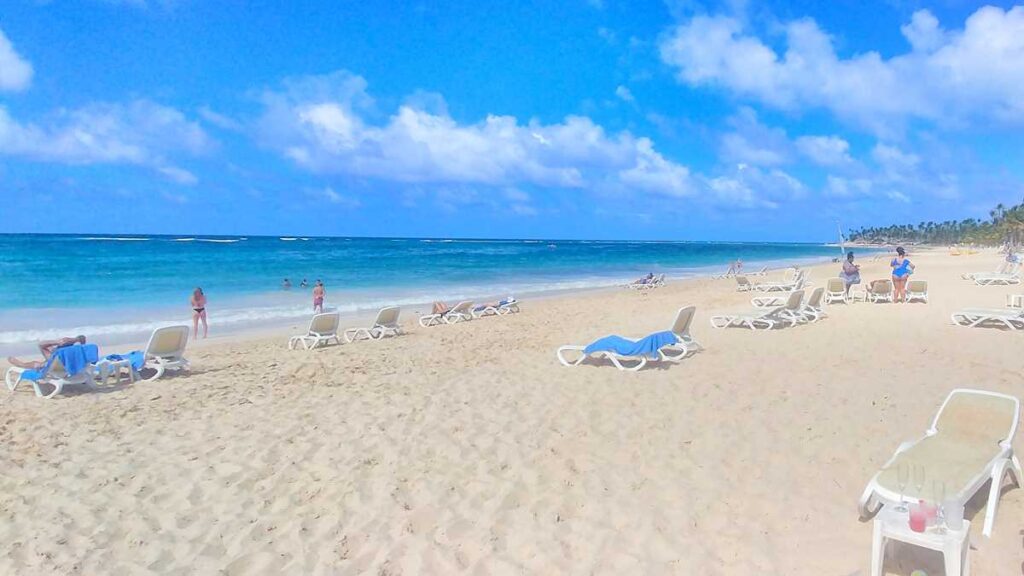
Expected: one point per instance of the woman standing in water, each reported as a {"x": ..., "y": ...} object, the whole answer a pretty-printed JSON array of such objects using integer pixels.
[{"x": 198, "y": 303}]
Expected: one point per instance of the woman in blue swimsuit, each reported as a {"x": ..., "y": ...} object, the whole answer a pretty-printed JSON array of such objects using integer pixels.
[{"x": 901, "y": 271}]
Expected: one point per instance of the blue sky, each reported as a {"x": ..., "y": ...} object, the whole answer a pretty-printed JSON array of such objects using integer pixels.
[{"x": 580, "y": 119}]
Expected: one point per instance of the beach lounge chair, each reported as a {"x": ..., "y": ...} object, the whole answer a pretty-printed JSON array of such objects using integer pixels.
[
  {"x": 385, "y": 324},
  {"x": 812, "y": 311},
  {"x": 835, "y": 291},
  {"x": 1003, "y": 269},
  {"x": 166, "y": 351},
  {"x": 917, "y": 290},
  {"x": 670, "y": 346},
  {"x": 1012, "y": 318},
  {"x": 878, "y": 291},
  {"x": 743, "y": 284},
  {"x": 765, "y": 318},
  {"x": 323, "y": 328},
  {"x": 797, "y": 282},
  {"x": 968, "y": 444},
  {"x": 997, "y": 279},
  {"x": 727, "y": 274},
  {"x": 762, "y": 272},
  {"x": 507, "y": 306},
  {"x": 461, "y": 312},
  {"x": 67, "y": 366}
]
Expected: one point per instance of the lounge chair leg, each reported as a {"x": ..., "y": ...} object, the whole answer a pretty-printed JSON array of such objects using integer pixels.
[{"x": 998, "y": 471}]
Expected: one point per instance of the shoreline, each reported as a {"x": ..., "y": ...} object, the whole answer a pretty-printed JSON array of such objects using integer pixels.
[{"x": 135, "y": 322}]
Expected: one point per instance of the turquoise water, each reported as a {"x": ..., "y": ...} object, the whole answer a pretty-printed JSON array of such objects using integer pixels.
[{"x": 53, "y": 284}]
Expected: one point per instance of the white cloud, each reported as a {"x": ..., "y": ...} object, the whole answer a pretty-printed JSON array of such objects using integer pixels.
[
  {"x": 219, "y": 120},
  {"x": 825, "y": 150},
  {"x": 140, "y": 132},
  {"x": 15, "y": 71},
  {"x": 751, "y": 142},
  {"x": 325, "y": 125},
  {"x": 179, "y": 175},
  {"x": 948, "y": 76},
  {"x": 624, "y": 94},
  {"x": 330, "y": 195}
]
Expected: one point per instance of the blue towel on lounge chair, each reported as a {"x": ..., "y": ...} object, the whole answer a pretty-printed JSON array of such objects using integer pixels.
[
  {"x": 505, "y": 302},
  {"x": 647, "y": 346},
  {"x": 136, "y": 357},
  {"x": 74, "y": 358}
]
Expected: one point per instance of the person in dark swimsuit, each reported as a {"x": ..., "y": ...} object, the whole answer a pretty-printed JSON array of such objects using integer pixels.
[{"x": 198, "y": 303}]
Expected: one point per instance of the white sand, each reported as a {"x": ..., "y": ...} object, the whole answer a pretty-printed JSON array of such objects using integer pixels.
[{"x": 469, "y": 449}]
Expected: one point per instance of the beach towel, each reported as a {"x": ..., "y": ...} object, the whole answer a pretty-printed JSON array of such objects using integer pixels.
[
  {"x": 74, "y": 358},
  {"x": 647, "y": 346},
  {"x": 135, "y": 357}
]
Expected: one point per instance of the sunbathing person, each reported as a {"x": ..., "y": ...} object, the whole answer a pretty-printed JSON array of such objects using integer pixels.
[
  {"x": 46, "y": 348},
  {"x": 440, "y": 308}
]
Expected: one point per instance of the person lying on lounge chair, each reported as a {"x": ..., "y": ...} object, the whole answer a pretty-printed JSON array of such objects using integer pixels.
[
  {"x": 46, "y": 348},
  {"x": 440, "y": 308}
]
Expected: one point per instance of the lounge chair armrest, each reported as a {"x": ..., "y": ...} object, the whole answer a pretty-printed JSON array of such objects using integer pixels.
[{"x": 864, "y": 505}]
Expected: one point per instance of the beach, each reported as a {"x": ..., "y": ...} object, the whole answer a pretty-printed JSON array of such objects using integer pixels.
[{"x": 468, "y": 449}]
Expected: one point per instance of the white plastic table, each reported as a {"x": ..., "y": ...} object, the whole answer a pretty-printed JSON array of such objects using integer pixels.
[
  {"x": 108, "y": 368},
  {"x": 1015, "y": 300},
  {"x": 891, "y": 524}
]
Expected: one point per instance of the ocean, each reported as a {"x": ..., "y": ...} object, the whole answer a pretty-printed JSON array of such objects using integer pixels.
[{"x": 118, "y": 288}]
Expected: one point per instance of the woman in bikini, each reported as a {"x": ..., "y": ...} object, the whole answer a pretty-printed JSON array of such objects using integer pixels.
[
  {"x": 901, "y": 271},
  {"x": 198, "y": 303}
]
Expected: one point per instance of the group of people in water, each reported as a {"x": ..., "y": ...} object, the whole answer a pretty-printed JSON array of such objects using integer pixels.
[
  {"x": 198, "y": 304},
  {"x": 901, "y": 266}
]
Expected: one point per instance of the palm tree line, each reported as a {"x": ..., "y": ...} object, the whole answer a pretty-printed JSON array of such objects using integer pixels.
[{"x": 1004, "y": 226}]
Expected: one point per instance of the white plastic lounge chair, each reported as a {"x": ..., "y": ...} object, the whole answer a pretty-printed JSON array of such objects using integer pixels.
[
  {"x": 811, "y": 311},
  {"x": 835, "y": 291},
  {"x": 917, "y": 290},
  {"x": 968, "y": 444},
  {"x": 56, "y": 375},
  {"x": 1004, "y": 268},
  {"x": 672, "y": 353},
  {"x": 762, "y": 272},
  {"x": 507, "y": 306},
  {"x": 727, "y": 274},
  {"x": 878, "y": 291},
  {"x": 1012, "y": 318},
  {"x": 461, "y": 312},
  {"x": 764, "y": 318},
  {"x": 323, "y": 328},
  {"x": 743, "y": 284},
  {"x": 997, "y": 279},
  {"x": 796, "y": 283},
  {"x": 385, "y": 324},
  {"x": 166, "y": 350}
]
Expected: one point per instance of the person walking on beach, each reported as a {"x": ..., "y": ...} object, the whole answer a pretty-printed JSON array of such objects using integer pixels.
[
  {"x": 318, "y": 297},
  {"x": 850, "y": 273},
  {"x": 901, "y": 271},
  {"x": 198, "y": 303}
]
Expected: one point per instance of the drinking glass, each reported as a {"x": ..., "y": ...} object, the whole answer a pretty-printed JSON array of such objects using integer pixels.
[
  {"x": 902, "y": 477},
  {"x": 919, "y": 479},
  {"x": 939, "y": 493}
]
